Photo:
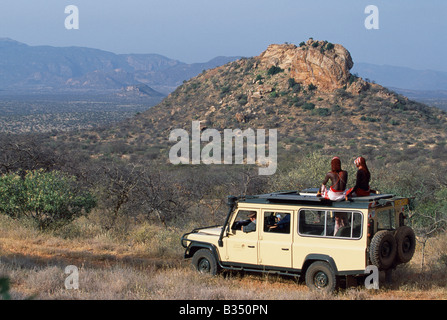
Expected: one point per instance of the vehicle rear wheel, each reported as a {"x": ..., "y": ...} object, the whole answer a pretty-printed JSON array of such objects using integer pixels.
[
  {"x": 205, "y": 262},
  {"x": 383, "y": 249},
  {"x": 321, "y": 277},
  {"x": 406, "y": 244}
]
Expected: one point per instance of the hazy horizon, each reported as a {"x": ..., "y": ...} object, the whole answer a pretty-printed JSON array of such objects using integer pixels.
[{"x": 410, "y": 34}]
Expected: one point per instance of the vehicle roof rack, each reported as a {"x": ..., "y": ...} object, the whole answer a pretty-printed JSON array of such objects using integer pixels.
[{"x": 308, "y": 196}]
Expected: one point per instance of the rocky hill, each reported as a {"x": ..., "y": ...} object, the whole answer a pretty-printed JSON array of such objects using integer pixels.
[
  {"x": 312, "y": 63},
  {"x": 308, "y": 94}
]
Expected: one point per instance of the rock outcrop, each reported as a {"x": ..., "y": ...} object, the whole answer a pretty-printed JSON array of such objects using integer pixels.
[{"x": 320, "y": 63}]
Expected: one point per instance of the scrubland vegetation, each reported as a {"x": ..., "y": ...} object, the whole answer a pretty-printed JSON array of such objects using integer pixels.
[
  {"x": 109, "y": 202},
  {"x": 145, "y": 265},
  {"x": 59, "y": 113},
  {"x": 126, "y": 244}
]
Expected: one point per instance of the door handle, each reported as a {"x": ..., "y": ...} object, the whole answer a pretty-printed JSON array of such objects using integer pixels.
[
  {"x": 251, "y": 247},
  {"x": 285, "y": 249}
]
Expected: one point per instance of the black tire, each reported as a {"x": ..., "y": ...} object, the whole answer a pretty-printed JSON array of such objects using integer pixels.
[
  {"x": 205, "y": 262},
  {"x": 321, "y": 277},
  {"x": 382, "y": 251},
  {"x": 406, "y": 244}
]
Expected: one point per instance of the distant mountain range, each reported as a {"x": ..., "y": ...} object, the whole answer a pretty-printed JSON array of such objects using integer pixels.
[
  {"x": 402, "y": 77},
  {"x": 426, "y": 86},
  {"x": 47, "y": 69},
  {"x": 43, "y": 69}
]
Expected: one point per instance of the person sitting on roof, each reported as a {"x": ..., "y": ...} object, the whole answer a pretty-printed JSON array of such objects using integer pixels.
[
  {"x": 338, "y": 177},
  {"x": 361, "y": 188}
]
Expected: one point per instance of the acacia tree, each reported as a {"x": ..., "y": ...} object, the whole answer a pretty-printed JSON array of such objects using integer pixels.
[
  {"x": 114, "y": 185},
  {"x": 50, "y": 199},
  {"x": 162, "y": 195},
  {"x": 429, "y": 219},
  {"x": 25, "y": 152}
]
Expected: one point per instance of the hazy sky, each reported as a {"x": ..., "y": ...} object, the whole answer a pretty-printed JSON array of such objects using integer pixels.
[{"x": 412, "y": 33}]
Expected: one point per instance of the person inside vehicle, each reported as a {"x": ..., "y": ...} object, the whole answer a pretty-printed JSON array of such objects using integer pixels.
[
  {"x": 252, "y": 225},
  {"x": 361, "y": 188},
  {"x": 339, "y": 178},
  {"x": 283, "y": 225},
  {"x": 340, "y": 221}
]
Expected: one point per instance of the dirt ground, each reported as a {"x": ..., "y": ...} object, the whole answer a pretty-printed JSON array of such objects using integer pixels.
[{"x": 37, "y": 266}]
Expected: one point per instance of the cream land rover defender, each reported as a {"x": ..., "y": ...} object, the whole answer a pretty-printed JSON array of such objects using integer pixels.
[{"x": 297, "y": 233}]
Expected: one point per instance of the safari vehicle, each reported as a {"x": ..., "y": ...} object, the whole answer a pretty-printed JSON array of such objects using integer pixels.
[{"x": 295, "y": 233}]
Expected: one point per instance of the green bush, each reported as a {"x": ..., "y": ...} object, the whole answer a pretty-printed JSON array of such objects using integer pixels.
[
  {"x": 50, "y": 199},
  {"x": 352, "y": 78},
  {"x": 294, "y": 101},
  {"x": 225, "y": 89},
  {"x": 242, "y": 99},
  {"x": 4, "y": 288},
  {"x": 274, "y": 70},
  {"x": 295, "y": 86},
  {"x": 306, "y": 171},
  {"x": 369, "y": 119},
  {"x": 336, "y": 108},
  {"x": 308, "y": 106},
  {"x": 291, "y": 82},
  {"x": 322, "y": 112}
]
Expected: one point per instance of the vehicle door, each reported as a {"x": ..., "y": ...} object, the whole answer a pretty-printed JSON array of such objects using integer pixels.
[
  {"x": 275, "y": 241},
  {"x": 242, "y": 240}
]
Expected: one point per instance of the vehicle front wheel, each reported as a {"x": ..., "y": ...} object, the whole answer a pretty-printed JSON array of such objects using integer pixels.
[
  {"x": 205, "y": 262},
  {"x": 321, "y": 277}
]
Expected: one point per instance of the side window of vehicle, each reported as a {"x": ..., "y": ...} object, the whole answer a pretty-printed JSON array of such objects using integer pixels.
[
  {"x": 245, "y": 218},
  {"x": 311, "y": 222},
  {"x": 338, "y": 224},
  {"x": 343, "y": 224},
  {"x": 277, "y": 222}
]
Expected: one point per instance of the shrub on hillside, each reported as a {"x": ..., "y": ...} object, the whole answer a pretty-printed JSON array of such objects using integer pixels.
[
  {"x": 308, "y": 106},
  {"x": 50, "y": 199},
  {"x": 274, "y": 70}
]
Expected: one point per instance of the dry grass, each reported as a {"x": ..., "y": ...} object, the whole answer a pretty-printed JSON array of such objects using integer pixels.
[{"x": 148, "y": 265}]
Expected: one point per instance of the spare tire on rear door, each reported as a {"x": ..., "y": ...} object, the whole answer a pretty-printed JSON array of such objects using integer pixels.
[
  {"x": 382, "y": 251},
  {"x": 406, "y": 244}
]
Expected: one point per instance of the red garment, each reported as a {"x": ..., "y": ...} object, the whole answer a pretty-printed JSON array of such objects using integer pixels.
[{"x": 358, "y": 193}]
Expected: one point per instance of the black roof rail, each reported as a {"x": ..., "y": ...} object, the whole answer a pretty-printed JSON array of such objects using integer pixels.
[{"x": 308, "y": 196}]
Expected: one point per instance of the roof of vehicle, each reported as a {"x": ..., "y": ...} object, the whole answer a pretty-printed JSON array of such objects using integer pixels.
[{"x": 308, "y": 197}]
